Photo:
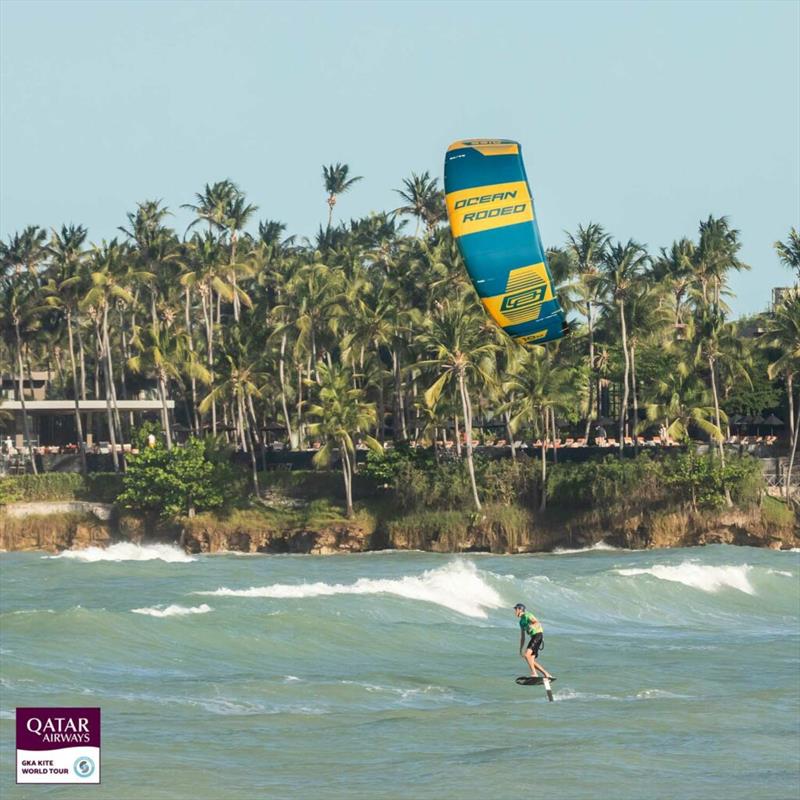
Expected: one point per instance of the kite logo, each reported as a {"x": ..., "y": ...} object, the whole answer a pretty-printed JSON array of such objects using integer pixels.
[
  {"x": 489, "y": 213},
  {"x": 523, "y": 300},
  {"x": 485, "y": 198}
]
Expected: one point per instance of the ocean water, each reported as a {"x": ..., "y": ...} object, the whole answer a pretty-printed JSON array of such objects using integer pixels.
[{"x": 391, "y": 675}]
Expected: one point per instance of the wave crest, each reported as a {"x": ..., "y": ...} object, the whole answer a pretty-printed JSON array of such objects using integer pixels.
[
  {"x": 457, "y": 586},
  {"x": 699, "y": 576},
  {"x": 128, "y": 551},
  {"x": 173, "y": 611}
]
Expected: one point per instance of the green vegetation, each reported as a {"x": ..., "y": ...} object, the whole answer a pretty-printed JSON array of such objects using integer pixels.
[
  {"x": 776, "y": 512},
  {"x": 101, "y": 487},
  {"x": 368, "y": 333},
  {"x": 175, "y": 482}
]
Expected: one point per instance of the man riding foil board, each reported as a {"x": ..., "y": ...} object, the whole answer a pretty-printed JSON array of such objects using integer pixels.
[{"x": 528, "y": 624}]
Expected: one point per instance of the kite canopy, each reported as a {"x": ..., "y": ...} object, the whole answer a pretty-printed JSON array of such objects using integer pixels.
[{"x": 491, "y": 216}]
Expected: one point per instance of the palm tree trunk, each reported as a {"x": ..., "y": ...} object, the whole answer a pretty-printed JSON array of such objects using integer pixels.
[
  {"x": 206, "y": 299},
  {"x": 590, "y": 320},
  {"x": 26, "y": 432},
  {"x": 789, "y": 392},
  {"x": 635, "y": 400},
  {"x": 300, "y": 433},
  {"x": 194, "y": 420},
  {"x": 465, "y": 406},
  {"x": 348, "y": 477},
  {"x": 109, "y": 412},
  {"x": 110, "y": 372},
  {"x": 284, "y": 403},
  {"x": 457, "y": 434},
  {"x": 510, "y": 434},
  {"x": 78, "y": 421},
  {"x": 712, "y": 368},
  {"x": 543, "y": 502},
  {"x": 624, "y": 407},
  {"x": 791, "y": 461},
  {"x": 554, "y": 431},
  {"x": 162, "y": 391}
]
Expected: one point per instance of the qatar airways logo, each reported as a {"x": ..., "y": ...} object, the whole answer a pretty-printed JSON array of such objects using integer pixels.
[
  {"x": 60, "y": 730},
  {"x": 58, "y": 745}
]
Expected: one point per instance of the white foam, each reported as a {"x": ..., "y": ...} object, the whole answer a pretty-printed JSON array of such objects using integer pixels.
[
  {"x": 173, "y": 611},
  {"x": 457, "y": 586},
  {"x": 699, "y": 576},
  {"x": 601, "y": 545},
  {"x": 780, "y": 572},
  {"x": 128, "y": 551}
]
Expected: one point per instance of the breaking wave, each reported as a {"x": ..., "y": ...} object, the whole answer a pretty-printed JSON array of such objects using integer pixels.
[
  {"x": 173, "y": 611},
  {"x": 705, "y": 577},
  {"x": 457, "y": 586},
  {"x": 127, "y": 551}
]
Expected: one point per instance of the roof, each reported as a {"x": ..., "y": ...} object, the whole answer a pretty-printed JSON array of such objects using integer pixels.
[{"x": 68, "y": 406}]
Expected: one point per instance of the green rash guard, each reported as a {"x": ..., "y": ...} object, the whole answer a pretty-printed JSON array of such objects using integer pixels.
[{"x": 529, "y": 624}]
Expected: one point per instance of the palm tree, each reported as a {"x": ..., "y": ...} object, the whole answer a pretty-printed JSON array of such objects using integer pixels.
[
  {"x": 67, "y": 273},
  {"x": 337, "y": 181},
  {"x": 341, "y": 412},
  {"x": 789, "y": 251},
  {"x": 676, "y": 268},
  {"x": 715, "y": 256},
  {"x": 537, "y": 385},
  {"x": 108, "y": 273},
  {"x": 783, "y": 333},
  {"x": 588, "y": 247},
  {"x": 212, "y": 203},
  {"x": 622, "y": 265},
  {"x": 165, "y": 353},
  {"x": 716, "y": 342},
  {"x": 20, "y": 319},
  {"x": 424, "y": 200},
  {"x": 460, "y": 350},
  {"x": 24, "y": 251}
]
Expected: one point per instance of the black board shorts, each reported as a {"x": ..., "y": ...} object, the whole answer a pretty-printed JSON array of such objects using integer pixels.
[{"x": 535, "y": 644}]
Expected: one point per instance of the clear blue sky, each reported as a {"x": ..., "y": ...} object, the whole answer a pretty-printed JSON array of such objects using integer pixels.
[{"x": 643, "y": 116}]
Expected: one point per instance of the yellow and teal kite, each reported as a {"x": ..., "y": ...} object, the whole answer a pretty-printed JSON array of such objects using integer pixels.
[{"x": 490, "y": 208}]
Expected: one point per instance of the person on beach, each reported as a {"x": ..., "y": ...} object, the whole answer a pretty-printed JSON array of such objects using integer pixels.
[{"x": 530, "y": 625}]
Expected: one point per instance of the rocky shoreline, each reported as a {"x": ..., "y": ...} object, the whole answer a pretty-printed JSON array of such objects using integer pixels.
[{"x": 79, "y": 528}]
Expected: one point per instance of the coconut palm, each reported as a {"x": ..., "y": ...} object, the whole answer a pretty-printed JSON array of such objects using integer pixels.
[
  {"x": 537, "y": 385},
  {"x": 715, "y": 256},
  {"x": 588, "y": 247},
  {"x": 63, "y": 290},
  {"x": 337, "y": 180},
  {"x": 789, "y": 251},
  {"x": 424, "y": 200},
  {"x": 20, "y": 319},
  {"x": 783, "y": 333},
  {"x": 458, "y": 348},
  {"x": 341, "y": 413},
  {"x": 622, "y": 266}
]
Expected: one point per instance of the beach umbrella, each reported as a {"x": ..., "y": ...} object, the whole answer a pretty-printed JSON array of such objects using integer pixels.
[
  {"x": 773, "y": 421},
  {"x": 757, "y": 420}
]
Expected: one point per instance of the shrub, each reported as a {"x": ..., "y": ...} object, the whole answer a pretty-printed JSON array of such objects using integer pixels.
[
  {"x": 102, "y": 487},
  {"x": 174, "y": 482}
]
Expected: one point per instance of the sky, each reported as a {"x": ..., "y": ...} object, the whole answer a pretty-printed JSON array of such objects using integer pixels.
[{"x": 643, "y": 116}]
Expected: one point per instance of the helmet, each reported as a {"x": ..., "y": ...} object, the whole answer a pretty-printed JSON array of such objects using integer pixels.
[{"x": 519, "y": 606}]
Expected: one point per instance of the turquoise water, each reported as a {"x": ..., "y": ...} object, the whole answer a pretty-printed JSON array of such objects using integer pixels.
[{"x": 391, "y": 675}]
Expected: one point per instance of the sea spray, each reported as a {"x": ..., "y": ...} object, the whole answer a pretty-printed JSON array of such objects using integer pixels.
[{"x": 128, "y": 551}]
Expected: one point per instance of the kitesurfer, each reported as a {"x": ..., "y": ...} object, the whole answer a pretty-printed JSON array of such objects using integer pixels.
[{"x": 530, "y": 625}]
